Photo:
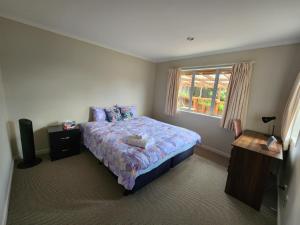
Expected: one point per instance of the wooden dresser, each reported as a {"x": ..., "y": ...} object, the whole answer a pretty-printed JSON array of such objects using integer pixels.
[{"x": 249, "y": 167}]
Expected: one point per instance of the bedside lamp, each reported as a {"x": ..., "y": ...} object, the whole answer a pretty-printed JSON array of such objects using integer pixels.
[{"x": 267, "y": 119}]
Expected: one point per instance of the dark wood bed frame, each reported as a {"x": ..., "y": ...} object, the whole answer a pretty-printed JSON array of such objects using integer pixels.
[{"x": 146, "y": 178}]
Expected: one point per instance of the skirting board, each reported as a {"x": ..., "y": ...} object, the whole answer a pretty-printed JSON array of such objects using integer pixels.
[
  {"x": 215, "y": 150},
  {"x": 4, "y": 218}
]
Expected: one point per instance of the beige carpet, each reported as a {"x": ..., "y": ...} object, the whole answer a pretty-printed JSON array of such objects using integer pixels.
[{"x": 78, "y": 190}]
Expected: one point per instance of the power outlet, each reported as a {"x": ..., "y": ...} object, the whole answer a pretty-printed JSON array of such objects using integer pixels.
[{"x": 283, "y": 187}]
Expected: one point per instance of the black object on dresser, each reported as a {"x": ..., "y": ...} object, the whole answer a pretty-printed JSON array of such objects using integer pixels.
[{"x": 63, "y": 143}]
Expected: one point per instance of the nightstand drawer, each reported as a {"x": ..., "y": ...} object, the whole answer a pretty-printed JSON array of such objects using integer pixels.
[
  {"x": 64, "y": 140},
  {"x": 62, "y": 153}
]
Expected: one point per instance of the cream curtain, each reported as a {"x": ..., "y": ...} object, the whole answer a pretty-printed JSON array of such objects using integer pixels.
[
  {"x": 238, "y": 95},
  {"x": 290, "y": 113},
  {"x": 172, "y": 91}
]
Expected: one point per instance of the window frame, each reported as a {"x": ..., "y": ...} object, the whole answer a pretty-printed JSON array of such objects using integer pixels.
[{"x": 215, "y": 89}]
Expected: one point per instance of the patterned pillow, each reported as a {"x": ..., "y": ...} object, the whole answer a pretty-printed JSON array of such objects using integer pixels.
[
  {"x": 126, "y": 112},
  {"x": 98, "y": 114},
  {"x": 113, "y": 114},
  {"x": 131, "y": 108}
]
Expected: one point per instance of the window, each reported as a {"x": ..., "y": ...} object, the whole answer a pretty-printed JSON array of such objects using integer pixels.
[
  {"x": 203, "y": 90},
  {"x": 295, "y": 132}
]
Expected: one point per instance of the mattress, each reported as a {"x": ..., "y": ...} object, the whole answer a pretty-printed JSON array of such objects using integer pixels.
[{"x": 106, "y": 140}]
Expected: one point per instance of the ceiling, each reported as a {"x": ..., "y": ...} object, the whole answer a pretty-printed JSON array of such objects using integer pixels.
[{"x": 156, "y": 30}]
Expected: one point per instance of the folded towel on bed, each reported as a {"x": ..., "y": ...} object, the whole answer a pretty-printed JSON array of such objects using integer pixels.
[
  {"x": 139, "y": 136},
  {"x": 139, "y": 141}
]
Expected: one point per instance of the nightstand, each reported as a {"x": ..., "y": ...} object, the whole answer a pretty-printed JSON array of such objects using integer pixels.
[{"x": 63, "y": 143}]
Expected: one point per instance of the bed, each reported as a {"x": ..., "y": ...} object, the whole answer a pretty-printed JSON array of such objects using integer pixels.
[{"x": 134, "y": 167}]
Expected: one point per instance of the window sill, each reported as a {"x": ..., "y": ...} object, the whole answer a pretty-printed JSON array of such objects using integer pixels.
[{"x": 199, "y": 114}]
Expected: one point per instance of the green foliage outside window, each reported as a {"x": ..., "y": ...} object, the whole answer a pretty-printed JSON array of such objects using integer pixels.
[
  {"x": 221, "y": 107},
  {"x": 184, "y": 92},
  {"x": 223, "y": 95},
  {"x": 206, "y": 102}
]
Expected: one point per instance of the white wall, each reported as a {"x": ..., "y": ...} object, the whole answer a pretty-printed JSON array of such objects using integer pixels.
[
  {"x": 5, "y": 156},
  {"x": 274, "y": 72},
  {"x": 49, "y": 77}
]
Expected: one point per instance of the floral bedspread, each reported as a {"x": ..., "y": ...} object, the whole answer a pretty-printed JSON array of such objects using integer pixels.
[{"x": 106, "y": 140}]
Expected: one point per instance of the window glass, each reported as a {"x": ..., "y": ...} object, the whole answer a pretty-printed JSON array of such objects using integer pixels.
[
  {"x": 224, "y": 76},
  {"x": 296, "y": 128},
  {"x": 204, "y": 91},
  {"x": 184, "y": 91}
]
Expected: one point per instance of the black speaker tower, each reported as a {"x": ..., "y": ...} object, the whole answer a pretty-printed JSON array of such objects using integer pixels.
[{"x": 26, "y": 131}]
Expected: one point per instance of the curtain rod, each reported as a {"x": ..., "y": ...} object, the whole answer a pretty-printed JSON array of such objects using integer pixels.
[{"x": 211, "y": 66}]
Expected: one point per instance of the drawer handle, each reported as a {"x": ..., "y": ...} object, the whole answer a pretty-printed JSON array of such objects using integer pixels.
[
  {"x": 65, "y": 150},
  {"x": 65, "y": 138}
]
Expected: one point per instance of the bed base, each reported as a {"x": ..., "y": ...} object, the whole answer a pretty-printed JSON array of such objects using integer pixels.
[{"x": 148, "y": 177}]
